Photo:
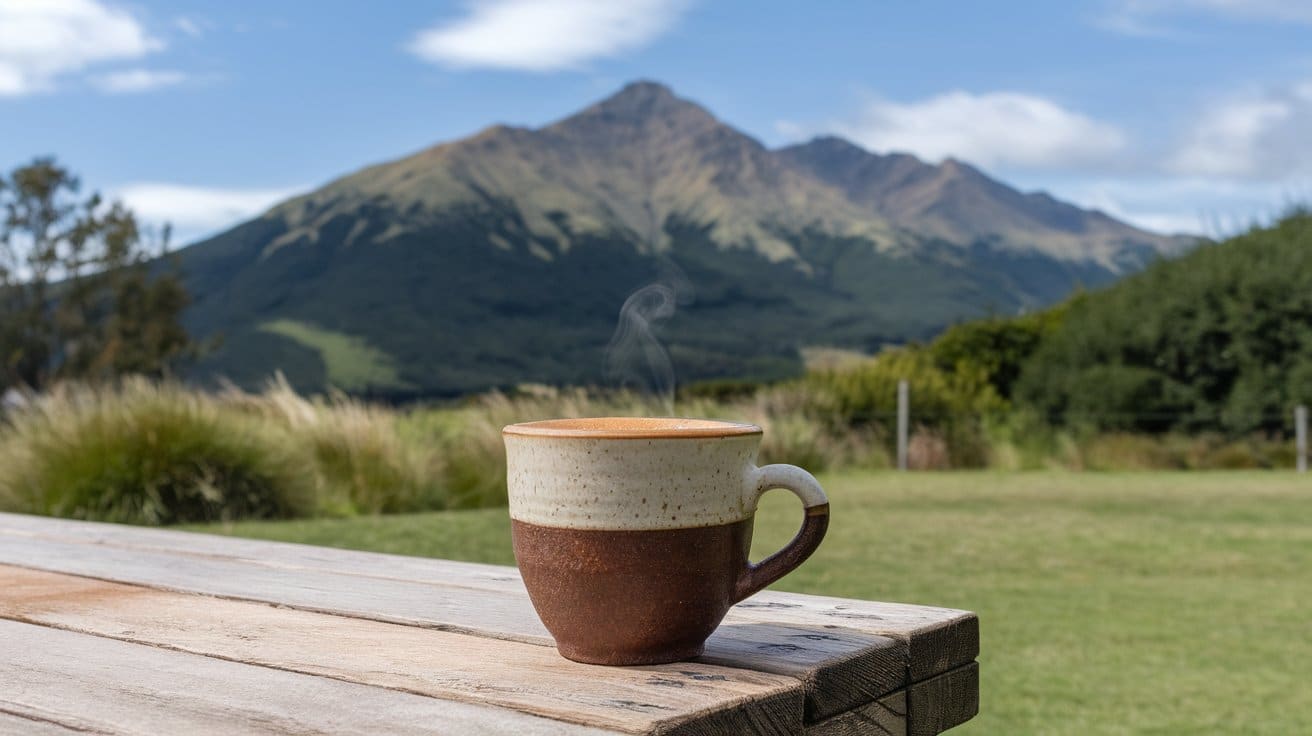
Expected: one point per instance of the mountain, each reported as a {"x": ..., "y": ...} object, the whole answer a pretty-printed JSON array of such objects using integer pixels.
[
  {"x": 505, "y": 257},
  {"x": 958, "y": 203}
]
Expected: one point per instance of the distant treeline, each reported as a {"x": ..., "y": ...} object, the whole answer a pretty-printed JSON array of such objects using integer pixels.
[{"x": 1219, "y": 340}]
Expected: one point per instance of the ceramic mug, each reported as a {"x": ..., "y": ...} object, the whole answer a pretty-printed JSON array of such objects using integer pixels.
[{"x": 632, "y": 534}]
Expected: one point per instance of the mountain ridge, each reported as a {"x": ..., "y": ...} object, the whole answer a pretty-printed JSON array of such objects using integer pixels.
[{"x": 465, "y": 262}]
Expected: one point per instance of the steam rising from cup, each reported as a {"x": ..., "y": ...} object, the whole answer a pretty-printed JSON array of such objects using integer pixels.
[{"x": 635, "y": 359}]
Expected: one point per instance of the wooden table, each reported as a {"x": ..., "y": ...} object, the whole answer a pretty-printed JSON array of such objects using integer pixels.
[{"x": 115, "y": 629}]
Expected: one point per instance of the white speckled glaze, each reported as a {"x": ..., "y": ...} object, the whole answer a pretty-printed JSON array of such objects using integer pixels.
[{"x": 622, "y": 480}]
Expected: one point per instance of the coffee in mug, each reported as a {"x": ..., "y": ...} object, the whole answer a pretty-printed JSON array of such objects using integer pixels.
[{"x": 633, "y": 534}]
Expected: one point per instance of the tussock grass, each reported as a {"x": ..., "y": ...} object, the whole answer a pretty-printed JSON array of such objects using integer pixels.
[
  {"x": 148, "y": 454},
  {"x": 160, "y": 454},
  {"x": 364, "y": 463}
]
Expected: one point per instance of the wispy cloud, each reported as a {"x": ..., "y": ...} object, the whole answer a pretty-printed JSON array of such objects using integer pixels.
[
  {"x": 990, "y": 129},
  {"x": 1158, "y": 18},
  {"x": 196, "y": 211},
  {"x": 193, "y": 27},
  {"x": 1257, "y": 136},
  {"x": 41, "y": 40},
  {"x": 1211, "y": 206},
  {"x": 545, "y": 35},
  {"x": 131, "y": 81}
]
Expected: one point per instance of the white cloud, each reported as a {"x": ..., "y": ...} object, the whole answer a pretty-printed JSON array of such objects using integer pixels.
[
  {"x": 1210, "y": 206},
  {"x": 195, "y": 211},
  {"x": 189, "y": 26},
  {"x": 40, "y": 40},
  {"x": 1154, "y": 17},
  {"x": 990, "y": 129},
  {"x": 544, "y": 35},
  {"x": 1258, "y": 136},
  {"x": 137, "y": 80}
]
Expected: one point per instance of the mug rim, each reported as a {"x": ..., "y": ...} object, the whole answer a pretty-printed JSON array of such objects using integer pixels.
[{"x": 621, "y": 428}]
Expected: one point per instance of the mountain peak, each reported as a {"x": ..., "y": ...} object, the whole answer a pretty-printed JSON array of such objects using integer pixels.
[
  {"x": 640, "y": 103},
  {"x": 644, "y": 89}
]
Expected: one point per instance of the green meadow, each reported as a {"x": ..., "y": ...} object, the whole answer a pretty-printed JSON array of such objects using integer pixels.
[{"x": 1109, "y": 602}]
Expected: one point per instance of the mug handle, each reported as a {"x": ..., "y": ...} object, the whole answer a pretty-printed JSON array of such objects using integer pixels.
[{"x": 814, "y": 525}]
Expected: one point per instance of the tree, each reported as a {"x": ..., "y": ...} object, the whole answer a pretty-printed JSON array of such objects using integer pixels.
[{"x": 82, "y": 295}]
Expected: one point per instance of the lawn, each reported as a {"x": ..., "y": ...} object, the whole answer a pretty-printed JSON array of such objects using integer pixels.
[{"x": 1109, "y": 603}]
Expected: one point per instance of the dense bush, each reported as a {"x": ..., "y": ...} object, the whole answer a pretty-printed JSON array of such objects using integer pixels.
[
  {"x": 950, "y": 407},
  {"x": 1220, "y": 340},
  {"x": 997, "y": 347}
]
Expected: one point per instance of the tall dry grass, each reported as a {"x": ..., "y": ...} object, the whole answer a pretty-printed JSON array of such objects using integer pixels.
[
  {"x": 148, "y": 454},
  {"x": 151, "y": 453},
  {"x": 363, "y": 461},
  {"x": 159, "y": 453}
]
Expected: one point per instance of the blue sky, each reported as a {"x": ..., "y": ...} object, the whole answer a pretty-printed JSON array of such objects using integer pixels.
[{"x": 1180, "y": 115}]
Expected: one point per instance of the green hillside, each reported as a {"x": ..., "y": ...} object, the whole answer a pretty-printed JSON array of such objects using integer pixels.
[{"x": 1219, "y": 339}]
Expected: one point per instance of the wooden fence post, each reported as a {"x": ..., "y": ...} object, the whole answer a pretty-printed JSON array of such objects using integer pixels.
[
  {"x": 903, "y": 417},
  {"x": 1300, "y": 436}
]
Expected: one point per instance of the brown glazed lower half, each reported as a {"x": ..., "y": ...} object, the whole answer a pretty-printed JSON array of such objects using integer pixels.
[{"x": 632, "y": 597}]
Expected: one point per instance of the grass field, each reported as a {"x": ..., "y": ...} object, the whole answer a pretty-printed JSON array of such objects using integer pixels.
[{"x": 1159, "y": 603}]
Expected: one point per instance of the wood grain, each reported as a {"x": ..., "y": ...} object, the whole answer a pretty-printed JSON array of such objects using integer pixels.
[
  {"x": 884, "y": 717},
  {"x": 839, "y": 667},
  {"x": 956, "y": 630},
  {"x": 680, "y": 698},
  {"x": 60, "y": 682},
  {"x": 925, "y": 708},
  {"x": 12, "y": 724},
  {"x": 943, "y": 701},
  {"x": 938, "y": 639}
]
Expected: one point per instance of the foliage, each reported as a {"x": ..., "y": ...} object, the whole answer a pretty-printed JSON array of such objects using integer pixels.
[
  {"x": 867, "y": 393},
  {"x": 950, "y": 406},
  {"x": 1220, "y": 339},
  {"x": 77, "y": 297},
  {"x": 997, "y": 346}
]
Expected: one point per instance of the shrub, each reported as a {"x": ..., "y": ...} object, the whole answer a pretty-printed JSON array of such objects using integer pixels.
[
  {"x": 148, "y": 454},
  {"x": 867, "y": 393},
  {"x": 1125, "y": 451}
]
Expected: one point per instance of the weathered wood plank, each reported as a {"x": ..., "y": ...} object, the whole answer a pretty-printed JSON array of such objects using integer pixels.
[
  {"x": 839, "y": 667},
  {"x": 15, "y": 725},
  {"x": 938, "y": 639},
  {"x": 884, "y": 717},
  {"x": 690, "y": 698},
  {"x": 925, "y": 708},
  {"x": 943, "y": 701},
  {"x": 60, "y": 682},
  {"x": 429, "y": 604},
  {"x": 884, "y": 619},
  {"x": 275, "y": 554}
]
